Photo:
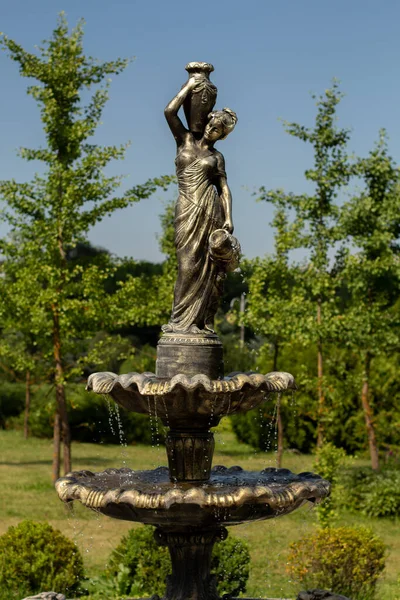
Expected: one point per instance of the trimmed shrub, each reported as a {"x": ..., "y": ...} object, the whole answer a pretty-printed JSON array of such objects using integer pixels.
[
  {"x": 345, "y": 560},
  {"x": 35, "y": 557},
  {"x": 139, "y": 567},
  {"x": 230, "y": 562},
  {"x": 373, "y": 494},
  {"x": 147, "y": 563}
]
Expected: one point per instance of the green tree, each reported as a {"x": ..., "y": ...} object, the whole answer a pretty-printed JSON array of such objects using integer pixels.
[
  {"x": 371, "y": 223},
  {"x": 153, "y": 287},
  {"x": 20, "y": 361},
  {"x": 21, "y": 356},
  {"x": 167, "y": 238},
  {"x": 166, "y": 283},
  {"x": 273, "y": 301},
  {"x": 52, "y": 213},
  {"x": 317, "y": 214}
]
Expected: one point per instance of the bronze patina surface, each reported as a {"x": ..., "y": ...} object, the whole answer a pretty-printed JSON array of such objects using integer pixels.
[
  {"x": 201, "y": 100},
  {"x": 189, "y": 407},
  {"x": 190, "y": 354},
  {"x": 189, "y": 502},
  {"x": 204, "y": 205},
  {"x": 229, "y": 497},
  {"x": 196, "y": 402}
]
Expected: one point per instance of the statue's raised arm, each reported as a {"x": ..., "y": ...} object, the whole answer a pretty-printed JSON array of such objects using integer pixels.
[{"x": 178, "y": 129}]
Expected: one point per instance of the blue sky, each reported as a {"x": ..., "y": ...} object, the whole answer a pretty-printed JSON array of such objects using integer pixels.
[{"x": 268, "y": 57}]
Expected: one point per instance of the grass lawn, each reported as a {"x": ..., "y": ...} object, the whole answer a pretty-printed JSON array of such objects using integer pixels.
[{"x": 27, "y": 493}]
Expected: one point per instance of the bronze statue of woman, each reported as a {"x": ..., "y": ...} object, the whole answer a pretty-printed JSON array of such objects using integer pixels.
[{"x": 203, "y": 217}]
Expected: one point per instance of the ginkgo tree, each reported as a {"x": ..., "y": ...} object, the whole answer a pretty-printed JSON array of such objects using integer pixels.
[
  {"x": 371, "y": 273},
  {"x": 274, "y": 300},
  {"x": 317, "y": 215},
  {"x": 52, "y": 213}
]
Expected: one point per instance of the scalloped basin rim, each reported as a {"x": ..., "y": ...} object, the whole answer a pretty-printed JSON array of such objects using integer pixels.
[
  {"x": 233, "y": 487},
  {"x": 149, "y": 384}
]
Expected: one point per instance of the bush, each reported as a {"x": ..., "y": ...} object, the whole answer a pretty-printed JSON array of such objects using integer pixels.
[
  {"x": 345, "y": 560},
  {"x": 382, "y": 498},
  {"x": 329, "y": 459},
  {"x": 257, "y": 427},
  {"x": 142, "y": 361},
  {"x": 35, "y": 557},
  {"x": 371, "y": 493},
  {"x": 92, "y": 418},
  {"x": 139, "y": 567},
  {"x": 12, "y": 401},
  {"x": 230, "y": 563}
]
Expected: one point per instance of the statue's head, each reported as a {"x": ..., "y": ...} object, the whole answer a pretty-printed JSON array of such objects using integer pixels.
[{"x": 220, "y": 124}]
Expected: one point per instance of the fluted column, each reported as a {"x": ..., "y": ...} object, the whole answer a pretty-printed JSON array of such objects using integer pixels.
[{"x": 191, "y": 562}]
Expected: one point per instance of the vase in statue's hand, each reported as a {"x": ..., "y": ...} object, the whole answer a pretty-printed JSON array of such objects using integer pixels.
[
  {"x": 224, "y": 250},
  {"x": 201, "y": 100}
]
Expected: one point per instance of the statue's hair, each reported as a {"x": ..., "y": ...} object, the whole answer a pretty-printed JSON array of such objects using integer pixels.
[{"x": 226, "y": 117}]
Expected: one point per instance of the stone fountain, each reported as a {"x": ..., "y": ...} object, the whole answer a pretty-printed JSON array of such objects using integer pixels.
[{"x": 191, "y": 503}]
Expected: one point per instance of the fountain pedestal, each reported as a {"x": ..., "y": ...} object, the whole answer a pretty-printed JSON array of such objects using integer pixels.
[
  {"x": 190, "y": 354},
  {"x": 191, "y": 563}
]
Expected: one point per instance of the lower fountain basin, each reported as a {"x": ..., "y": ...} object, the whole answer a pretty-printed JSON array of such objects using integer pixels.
[{"x": 231, "y": 496}]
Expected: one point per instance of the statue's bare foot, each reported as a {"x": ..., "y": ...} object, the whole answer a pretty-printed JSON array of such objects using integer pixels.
[
  {"x": 167, "y": 328},
  {"x": 194, "y": 329}
]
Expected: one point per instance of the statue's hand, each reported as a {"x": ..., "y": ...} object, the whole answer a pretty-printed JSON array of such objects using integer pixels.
[
  {"x": 189, "y": 85},
  {"x": 228, "y": 225},
  {"x": 196, "y": 82}
]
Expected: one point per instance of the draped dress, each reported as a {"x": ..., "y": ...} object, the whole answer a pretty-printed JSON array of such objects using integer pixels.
[{"x": 198, "y": 213}]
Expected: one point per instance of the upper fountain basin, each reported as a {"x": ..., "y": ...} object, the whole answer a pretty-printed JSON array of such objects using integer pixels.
[
  {"x": 181, "y": 401},
  {"x": 231, "y": 496}
]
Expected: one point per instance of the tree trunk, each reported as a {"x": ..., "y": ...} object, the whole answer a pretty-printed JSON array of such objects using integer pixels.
[
  {"x": 60, "y": 393},
  {"x": 27, "y": 403},
  {"x": 278, "y": 413},
  {"x": 56, "y": 446},
  {"x": 321, "y": 398},
  {"x": 369, "y": 421},
  {"x": 65, "y": 429}
]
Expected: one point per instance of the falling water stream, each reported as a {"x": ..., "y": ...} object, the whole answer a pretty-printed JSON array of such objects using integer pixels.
[{"x": 110, "y": 412}]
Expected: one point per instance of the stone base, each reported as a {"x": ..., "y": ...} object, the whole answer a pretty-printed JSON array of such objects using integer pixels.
[{"x": 191, "y": 354}]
